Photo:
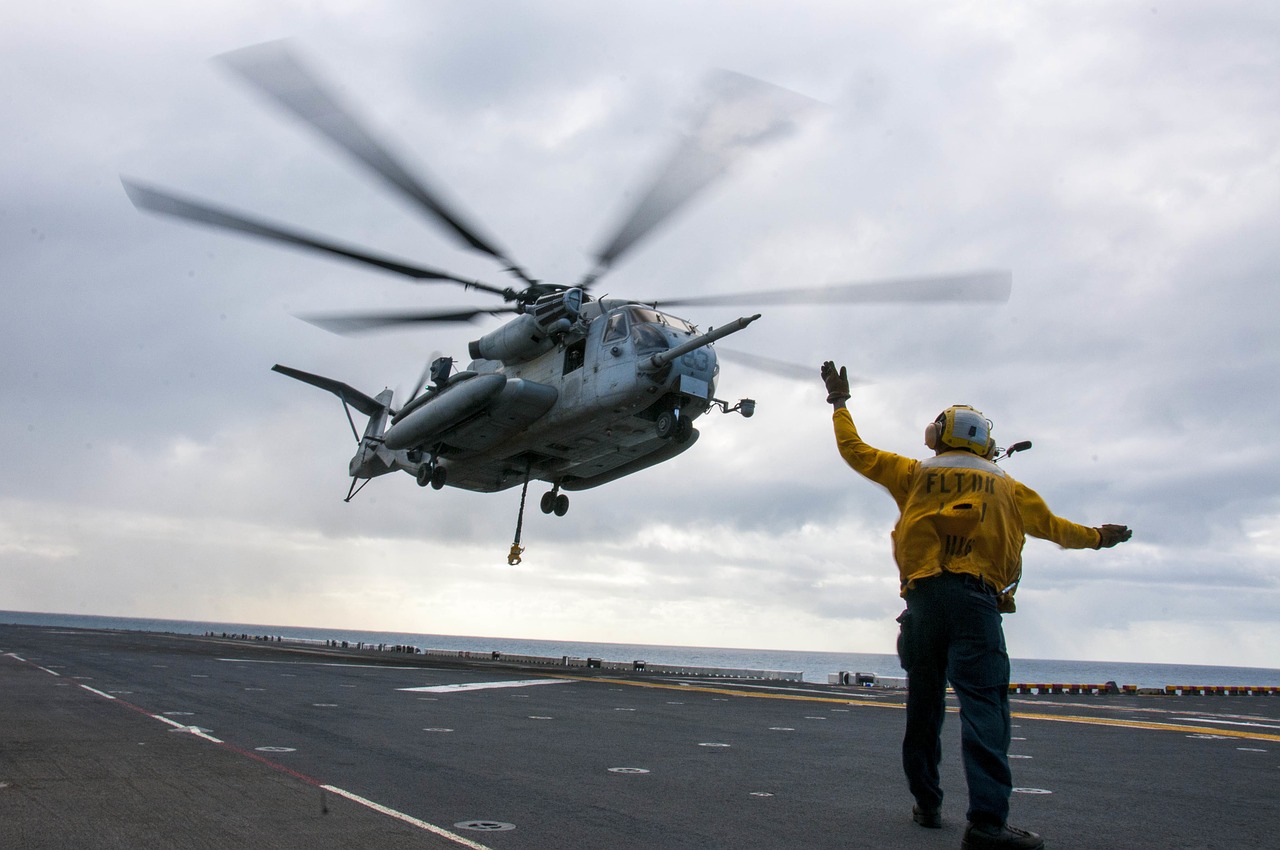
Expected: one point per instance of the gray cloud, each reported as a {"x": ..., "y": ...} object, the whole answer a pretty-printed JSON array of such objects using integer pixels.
[{"x": 1121, "y": 164}]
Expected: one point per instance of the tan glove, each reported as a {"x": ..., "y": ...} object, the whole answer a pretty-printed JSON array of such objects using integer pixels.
[
  {"x": 1109, "y": 535},
  {"x": 837, "y": 382}
]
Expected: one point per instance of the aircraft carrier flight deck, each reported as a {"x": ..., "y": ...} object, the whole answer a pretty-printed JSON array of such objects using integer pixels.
[{"x": 127, "y": 739}]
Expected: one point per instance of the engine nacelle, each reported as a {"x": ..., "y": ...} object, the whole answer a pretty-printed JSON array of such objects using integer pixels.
[{"x": 532, "y": 333}]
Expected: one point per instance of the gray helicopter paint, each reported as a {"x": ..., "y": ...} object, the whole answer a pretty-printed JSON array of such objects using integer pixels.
[{"x": 454, "y": 403}]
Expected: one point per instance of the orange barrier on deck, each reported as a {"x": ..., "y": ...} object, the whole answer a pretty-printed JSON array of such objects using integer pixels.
[
  {"x": 1037, "y": 688},
  {"x": 1222, "y": 690}
]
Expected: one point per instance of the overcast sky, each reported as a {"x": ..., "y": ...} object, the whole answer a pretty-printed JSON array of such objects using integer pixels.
[{"x": 1122, "y": 160}]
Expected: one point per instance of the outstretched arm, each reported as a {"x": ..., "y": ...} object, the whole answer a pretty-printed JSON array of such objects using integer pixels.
[
  {"x": 1040, "y": 522},
  {"x": 891, "y": 471}
]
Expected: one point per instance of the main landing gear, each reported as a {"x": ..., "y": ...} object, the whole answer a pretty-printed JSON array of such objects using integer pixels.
[
  {"x": 432, "y": 473},
  {"x": 553, "y": 501}
]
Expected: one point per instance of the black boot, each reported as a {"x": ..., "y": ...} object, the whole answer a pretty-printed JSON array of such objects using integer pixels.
[
  {"x": 931, "y": 818},
  {"x": 999, "y": 838}
]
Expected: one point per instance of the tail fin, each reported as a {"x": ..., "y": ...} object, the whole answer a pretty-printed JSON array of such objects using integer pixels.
[
  {"x": 349, "y": 395},
  {"x": 372, "y": 458}
]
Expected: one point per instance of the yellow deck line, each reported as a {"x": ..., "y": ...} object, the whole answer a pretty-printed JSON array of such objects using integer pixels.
[
  {"x": 1057, "y": 718},
  {"x": 1145, "y": 724},
  {"x": 707, "y": 689}
]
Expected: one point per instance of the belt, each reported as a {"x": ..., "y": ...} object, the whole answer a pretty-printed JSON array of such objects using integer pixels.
[{"x": 968, "y": 579}]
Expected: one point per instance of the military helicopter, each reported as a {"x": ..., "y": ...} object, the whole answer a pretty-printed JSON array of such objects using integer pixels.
[{"x": 574, "y": 391}]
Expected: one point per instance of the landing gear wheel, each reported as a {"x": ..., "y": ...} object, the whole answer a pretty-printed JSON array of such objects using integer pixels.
[
  {"x": 561, "y": 504},
  {"x": 439, "y": 475},
  {"x": 667, "y": 424},
  {"x": 548, "y": 503},
  {"x": 684, "y": 430},
  {"x": 424, "y": 475}
]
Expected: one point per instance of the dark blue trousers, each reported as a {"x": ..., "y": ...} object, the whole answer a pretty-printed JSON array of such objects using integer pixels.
[{"x": 951, "y": 631}]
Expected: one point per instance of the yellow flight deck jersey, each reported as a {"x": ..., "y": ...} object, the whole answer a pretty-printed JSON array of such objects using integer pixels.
[{"x": 959, "y": 512}]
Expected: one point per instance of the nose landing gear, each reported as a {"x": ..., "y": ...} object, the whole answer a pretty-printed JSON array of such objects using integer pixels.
[{"x": 671, "y": 425}]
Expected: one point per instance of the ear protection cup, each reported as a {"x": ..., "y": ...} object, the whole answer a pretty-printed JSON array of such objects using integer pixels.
[{"x": 931, "y": 433}]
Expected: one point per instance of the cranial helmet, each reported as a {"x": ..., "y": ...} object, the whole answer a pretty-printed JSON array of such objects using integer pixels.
[{"x": 961, "y": 427}]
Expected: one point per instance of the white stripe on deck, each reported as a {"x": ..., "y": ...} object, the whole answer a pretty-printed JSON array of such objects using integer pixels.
[
  {"x": 409, "y": 819},
  {"x": 483, "y": 686},
  {"x": 1231, "y": 722}
]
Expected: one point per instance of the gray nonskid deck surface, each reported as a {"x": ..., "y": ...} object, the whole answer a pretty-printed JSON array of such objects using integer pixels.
[
  {"x": 77, "y": 770},
  {"x": 114, "y": 739}
]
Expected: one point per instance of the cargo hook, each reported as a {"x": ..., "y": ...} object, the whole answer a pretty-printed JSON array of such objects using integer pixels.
[{"x": 513, "y": 557}]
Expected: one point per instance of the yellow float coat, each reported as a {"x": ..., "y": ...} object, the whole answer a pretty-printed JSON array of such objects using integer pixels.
[{"x": 959, "y": 512}]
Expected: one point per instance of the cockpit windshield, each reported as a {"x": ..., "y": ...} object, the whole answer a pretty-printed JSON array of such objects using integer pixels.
[
  {"x": 654, "y": 317},
  {"x": 646, "y": 327},
  {"x": 649, "y": 338}
]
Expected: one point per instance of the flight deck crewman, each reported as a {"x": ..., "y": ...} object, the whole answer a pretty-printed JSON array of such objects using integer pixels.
[{"x": 958, "y": 546}]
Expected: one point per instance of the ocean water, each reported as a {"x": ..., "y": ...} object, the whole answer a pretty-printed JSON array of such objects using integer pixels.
[{"x": 814, "y": 665}]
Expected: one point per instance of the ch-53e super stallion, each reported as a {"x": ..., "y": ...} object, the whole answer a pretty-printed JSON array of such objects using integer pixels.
[{"x": 574, "y": 391}]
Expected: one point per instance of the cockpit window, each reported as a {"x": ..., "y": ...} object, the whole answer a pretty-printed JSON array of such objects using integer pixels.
[
  {"x": 644, "y": 314},
  {"x": 647, "y": 315},
  {"x": 649, "y": 338},
  {"x": 679, "y": 324},
  {"x": 616, "y": 329}
]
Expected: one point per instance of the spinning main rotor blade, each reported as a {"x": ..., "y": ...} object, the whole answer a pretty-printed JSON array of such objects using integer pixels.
[
  {"x": 742, "y": 114},
  {"x": 780, "y": 368},
  {"x": 283, "y": 79},
  {"x": 993, "y": 286},
  {"x": 351, "y": 324},
  {"x": 165, "y": 203}
]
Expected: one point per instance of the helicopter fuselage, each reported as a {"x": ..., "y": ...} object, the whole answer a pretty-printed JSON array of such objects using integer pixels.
[{"x": 612, "y": 389}]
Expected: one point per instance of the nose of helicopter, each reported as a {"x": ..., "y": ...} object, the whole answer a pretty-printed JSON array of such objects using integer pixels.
[
  {"x": 699, "y": 363},
  {"x": 694, "y": 373}
]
